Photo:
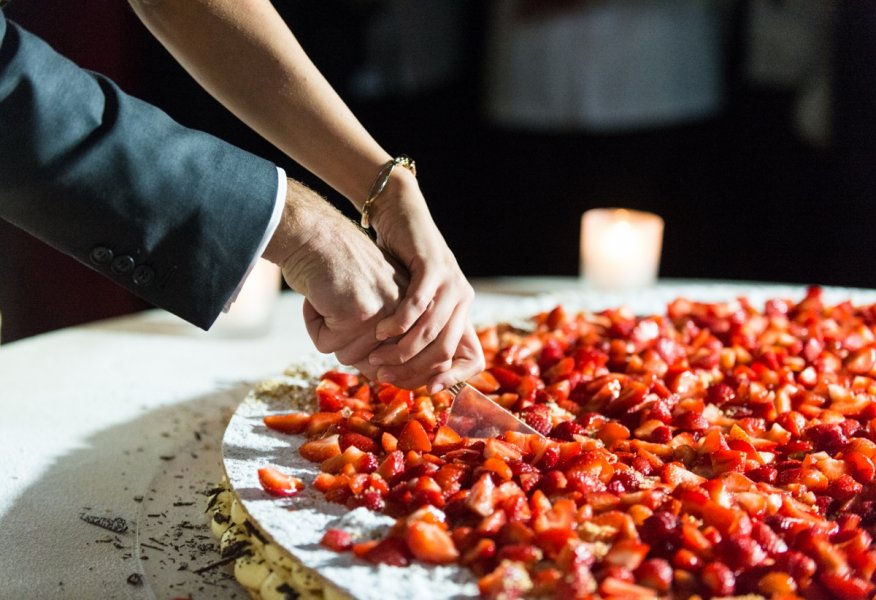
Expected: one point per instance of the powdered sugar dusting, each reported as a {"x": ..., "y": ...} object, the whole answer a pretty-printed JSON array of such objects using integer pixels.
[{"x": 297, "y": 524}]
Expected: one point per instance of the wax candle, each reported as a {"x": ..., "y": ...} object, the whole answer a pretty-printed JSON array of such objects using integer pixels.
[{"x": 620, "y": 248}]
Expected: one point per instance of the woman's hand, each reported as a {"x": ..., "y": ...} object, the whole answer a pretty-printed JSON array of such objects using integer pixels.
[
  {"x": 467, "y": 360},
  {"x": 432, "y": 321}
]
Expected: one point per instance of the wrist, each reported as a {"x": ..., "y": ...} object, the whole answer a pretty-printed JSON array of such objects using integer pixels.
[
  {"x": 299, "y": 223},
  {"x": 381, "y": 182},
  {"x": 401, "y": 197}
]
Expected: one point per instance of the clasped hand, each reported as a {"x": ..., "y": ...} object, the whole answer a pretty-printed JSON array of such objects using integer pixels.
[{"x": 398, "y": 312}]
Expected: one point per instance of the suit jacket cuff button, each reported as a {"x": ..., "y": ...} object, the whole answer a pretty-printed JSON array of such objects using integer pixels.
[
  {"x": 100, "y": 255},
  {"x": 144, "y": 276},
  {"x": 122, "y": 264}
]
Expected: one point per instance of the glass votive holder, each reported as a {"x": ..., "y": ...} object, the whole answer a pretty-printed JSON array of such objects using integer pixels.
[
  {"x": 252, "y": 312},
  {"x": 620, "y": 248}
]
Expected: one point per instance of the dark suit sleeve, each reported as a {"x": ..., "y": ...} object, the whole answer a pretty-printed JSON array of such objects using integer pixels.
[{"x": 173, "y": 215}]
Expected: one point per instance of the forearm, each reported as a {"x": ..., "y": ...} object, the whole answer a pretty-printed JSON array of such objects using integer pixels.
[
  {"x": 171, "y": 214},
  {"x": 243, "y": 53}
]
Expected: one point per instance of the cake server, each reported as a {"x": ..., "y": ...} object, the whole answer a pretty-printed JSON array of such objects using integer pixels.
[{"x": 473, "y": 414}]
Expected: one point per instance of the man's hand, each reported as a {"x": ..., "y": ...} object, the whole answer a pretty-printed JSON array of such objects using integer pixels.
[{"x": 348, "y": 283}]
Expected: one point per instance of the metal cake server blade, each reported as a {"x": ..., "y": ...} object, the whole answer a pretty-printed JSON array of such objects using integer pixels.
[{"x": 473, "y": 414}]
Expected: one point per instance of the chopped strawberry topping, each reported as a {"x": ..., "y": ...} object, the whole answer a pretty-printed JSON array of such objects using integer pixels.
[
  {"x": 277, "y": 483},
  {"x": 715, "y": 450}
]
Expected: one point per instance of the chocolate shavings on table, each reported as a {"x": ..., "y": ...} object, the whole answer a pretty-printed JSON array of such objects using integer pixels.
[
  {"x": 117, "y": 525},
  {"x": 230, "y": 554},
  {"x": 151, "y": 547}
]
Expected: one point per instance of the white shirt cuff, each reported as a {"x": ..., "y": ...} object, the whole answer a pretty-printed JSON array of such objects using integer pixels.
[{"x": 279, "y": 204}]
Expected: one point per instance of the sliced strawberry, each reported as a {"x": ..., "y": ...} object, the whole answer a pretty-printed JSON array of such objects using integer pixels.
[
  {"x": 509, "y": 580},
  {"x": 424, "y": 412},
  {"x": 388, "y": 442},
  {"x": 429, "y": 514},
  {"x": 655, "y": 573},
  {"x": 718, "y": 578},
  {"x": 482, "y": 498},
  {"x": 388, "y": 394},
  {"x": 337, "y": 540},
  {"x": 324, "y": 482},
  {"x": 484, "y": 382},
  {"x": 360, "y": 549},
  {"x": 612, "y": 587},
  {"x": 362, "y": 393},
  {"x": 392, "y": 466},
  {"x": 675, "y": 474},
  {"x": 363, "y": 426},
  {"x": 288, "y": 423},
  {"x": 528, "y": 481},
  {"x": 557, "y": 317},
  {"x": 489, "y": 339},
  {"x": 497, "y": 448},
  {"x": 393, "y": 414},
  {"x": 370, "y": 499},
  {"x": 483, "y": 550},
  {"x": 847, "y": 588},
  {"x": 446, "y": 439},
  {"x": 335, "y": 464},
  {"x": 389, "y": 551},
  {"x": 277, "y": 483},
  {"x": 451, "y": 477},
  {"x": 358, "y": 440},
  {"x": 523, "y": 553},
  {"x": 320, "y": 423},
  {"x": 724, "y": 461},
  {"x": 529, "y": 386},
  {"x": 329, "y": 397},
  {"x": 367, "y": 463},
  {"x": 414, "y": 437},
  {"x": 499, "y": 467},
  {"x": 628, "y": 554},
  {"x": 538, "y": 417},
  {"x": 613, "y": 432},
  {"x": 430, "y": 543},
  {"x": 508, "y": 380},
  {"x": 320, "y": 449},
  {"x": 560, "y": 516},
  {"x": 345, "y": 380},
  {"x": 561, "y": 370},
  {"x": 554, "y": 541}
]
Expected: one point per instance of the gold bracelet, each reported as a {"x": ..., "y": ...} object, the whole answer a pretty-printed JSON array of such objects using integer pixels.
[{"x": 382, "y": 179}]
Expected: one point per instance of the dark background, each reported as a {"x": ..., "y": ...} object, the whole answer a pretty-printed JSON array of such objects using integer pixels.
[{"x": 742, "y": 195}]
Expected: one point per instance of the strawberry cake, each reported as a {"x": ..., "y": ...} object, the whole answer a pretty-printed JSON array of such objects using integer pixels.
[{"x": 709, "y": 450}]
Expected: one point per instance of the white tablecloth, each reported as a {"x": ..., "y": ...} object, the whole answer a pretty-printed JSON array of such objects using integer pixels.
[{"x": 121, "y": 420}]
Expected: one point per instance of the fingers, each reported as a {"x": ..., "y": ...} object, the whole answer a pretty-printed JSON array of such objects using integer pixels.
[
  {"x": 447, "y": 314},
  {"x": 348, "y": 349},
  {"x": 456, "y": 353},
  {"x": 420, "y": 293},
  {"x": 366, "y": 369},
  {"x": 468, "y": 362},
  {"x": 431, "y": 324}
]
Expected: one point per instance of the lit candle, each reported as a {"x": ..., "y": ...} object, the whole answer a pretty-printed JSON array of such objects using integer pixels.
[
  {"x": 620, "y": 249},
  {"x": 251, "y": 312}
]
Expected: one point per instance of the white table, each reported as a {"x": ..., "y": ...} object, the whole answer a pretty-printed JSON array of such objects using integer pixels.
[{"x": 122, "y": 419}]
